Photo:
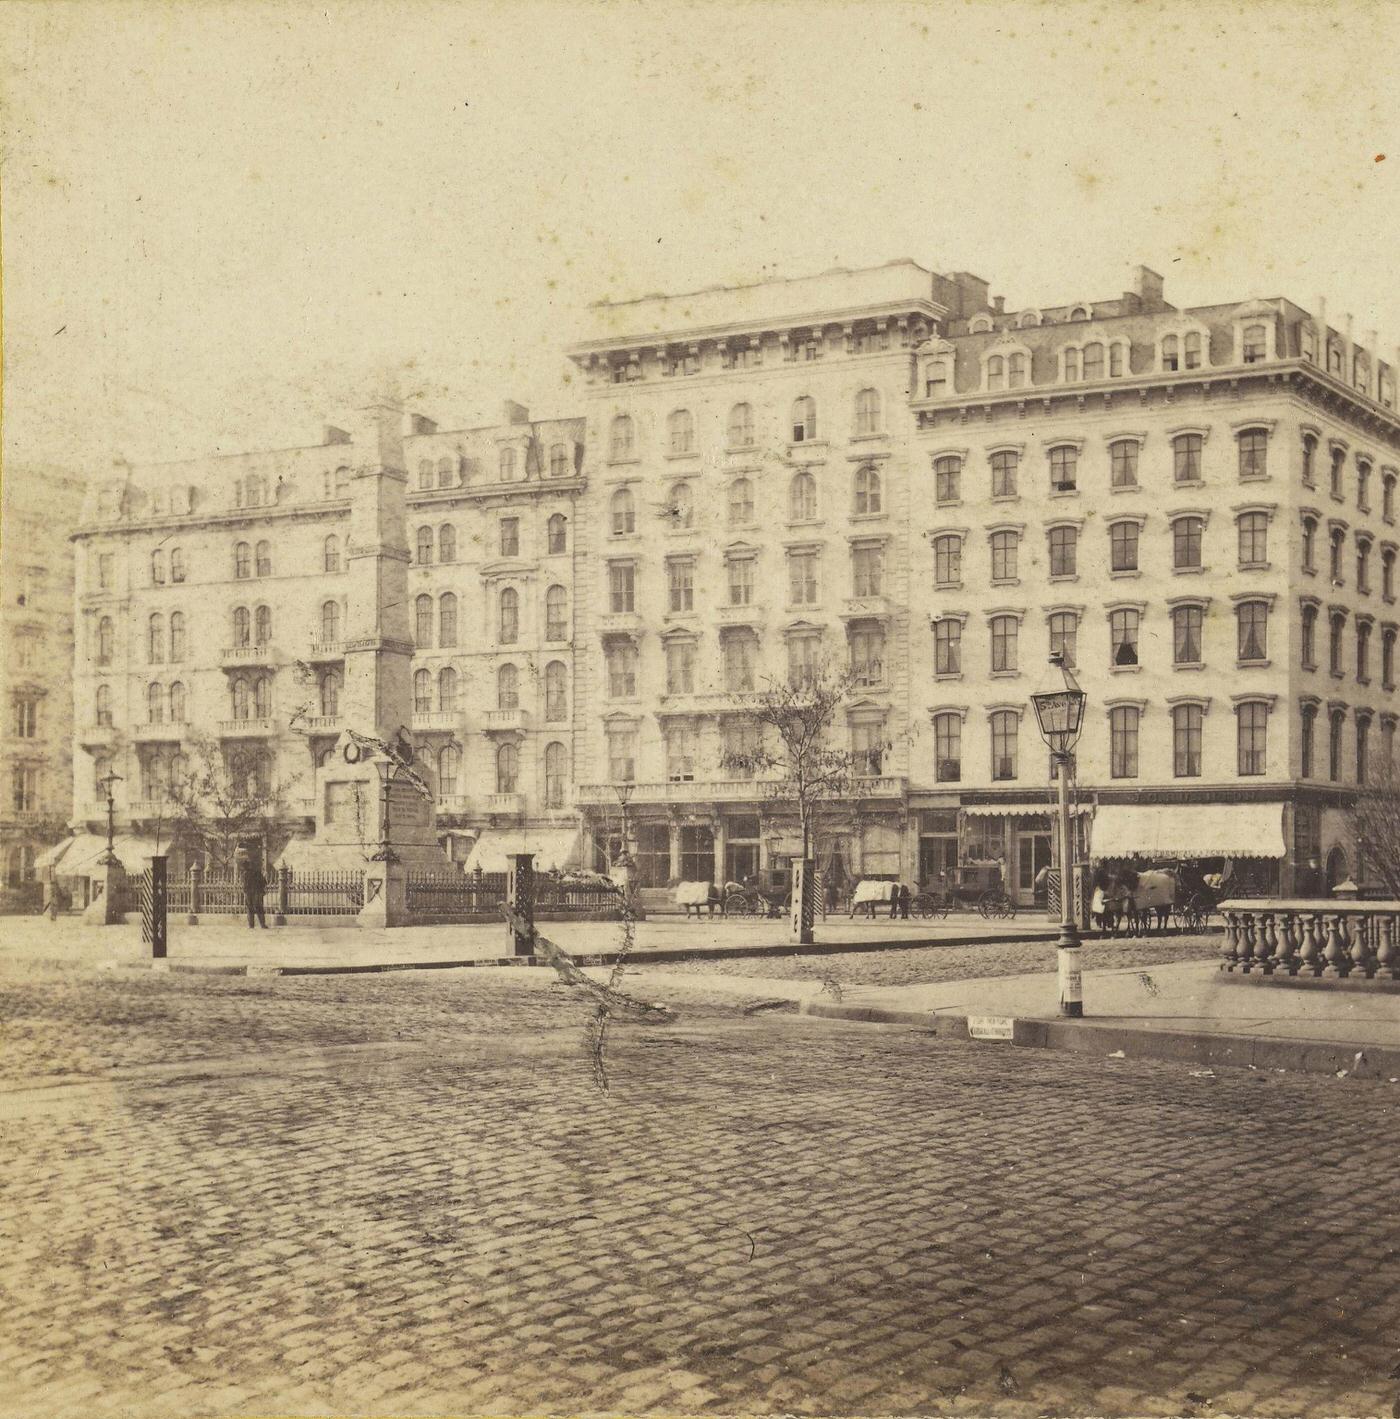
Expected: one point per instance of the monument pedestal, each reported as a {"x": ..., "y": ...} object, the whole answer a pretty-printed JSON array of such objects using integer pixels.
[{"x": 102, "y": 909}]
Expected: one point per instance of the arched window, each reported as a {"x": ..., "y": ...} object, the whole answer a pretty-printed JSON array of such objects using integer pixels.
[
  {"x": 996, "y": 372},
  {"x": 448, "y": 767},
  {"x": 740, "y": 502},
  {"x": 177, "y": 636},
  {"x": 158, "y": 567},
  {"x": 1093, "y": 360},
  {"x": 102, "y": 704},
  {"x": 242, "y": 561},
  {"x": 867, "y": 491},
  {"x": 555, "y": 761},
  {"x": 330, "y": 693},
  {"x": 262, "y": 696},
  {"x": 422, "y": 692},
  {"x": 1072, "y": 363},
  {"x": 155, "y": 640},
  {"x": 556, "y": 703},
  {"x": 507, "y": 768},
  {"x": 177, "y": 564},
  {"x": 424, "y": 546},
  {"x": 447, "y": 689},
  {"x": 242, "y": 699},
  {"x": 510, "y": 616},
  {"x": 177, "y": 703},
  {"x": 622, "y": 439},
  {"x": 507, "y": 688},
  {"x": 556, "y": 614},
  {"x": 104, "y": 641},
  {"x": 680, "y": 428},
  {"x": 262, "y": 625},
  {"x": 624, "y": 512},
  {"x": 868, "y": 411},
  {"x": 155, "y": 703},
  {"x": 330, "y": 622},
  {"x": 507, "y": 465},
  {"x": 558, "y": 461},
  {"x": 947, "y": 478},
  {"x": 557, "y": 533},
  {"x": 425, "y": 474},
  {"x": 447, "y": 543},
  {"x": 330, "y": 554},
  {"x": 242, "y": 626},
  {"x": 680, "y": 506},
  {"x": 1253, "y": 345},
  {"x": 741, "y": 426},
  {"x": 447, "y": 472},
  {"x": 804, "y": 419},
  {"x": 264, "y": 559},
  {"x": 447, "y": 619},
  {"x": 423, "y": 620},
  {"x": 802, "y": 498}
]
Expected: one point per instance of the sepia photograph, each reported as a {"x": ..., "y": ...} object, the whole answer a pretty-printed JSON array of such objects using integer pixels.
[{"x": 699, "y": 709}]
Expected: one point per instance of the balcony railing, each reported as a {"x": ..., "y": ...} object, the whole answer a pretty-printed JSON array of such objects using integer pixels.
[
  {"x": 243, "y": 655},
  {"x": 162, "y": 730},
  {"x": 437, "y": 719},
  {"x": 96, "y": 734},
  {"x": 245, "y": 728},
  {"x": 322, "y": 723},
  {"x": 746, "y": 790},
  {"x": 326, "y": 650},
  {"x": 452, "y": 802},
  {"x": 1340, "y": 940},
  {"x": 512, "y": 804},
  {"x": 503, "y": 720}
]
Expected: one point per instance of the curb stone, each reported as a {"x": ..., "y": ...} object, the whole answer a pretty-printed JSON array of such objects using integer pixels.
[{"x": 1209, "y": 1047}]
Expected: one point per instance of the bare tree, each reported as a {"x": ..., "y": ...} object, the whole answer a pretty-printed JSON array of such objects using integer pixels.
[
  {"x": 218, "y": 803},
  {"x": 1374, "y": 820},
  {"x": 804, "y": 776}
]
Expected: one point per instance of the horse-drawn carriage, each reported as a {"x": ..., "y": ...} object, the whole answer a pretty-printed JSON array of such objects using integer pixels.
[
  {"x": 972, "y": 886},
  {"x": 1127, "y": 899},
  {"x": 760, "y": 897}
]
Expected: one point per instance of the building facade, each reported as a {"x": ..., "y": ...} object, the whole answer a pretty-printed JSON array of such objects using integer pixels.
[
  {"x": 36, "y": 653},
  {"x": 883, "y": 471},
  {"x": 211, "y": 605}
]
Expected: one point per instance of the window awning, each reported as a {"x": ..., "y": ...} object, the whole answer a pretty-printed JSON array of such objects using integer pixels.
[
  {"x": 553, "y": 848},
  {"x": 77, "y": 856},
  {"x": 1020, "y": 810},
  {"x": 1187, "y": 830}
]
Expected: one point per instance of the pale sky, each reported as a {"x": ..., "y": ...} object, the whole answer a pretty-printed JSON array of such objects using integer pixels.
[{"x": 221, "y": 220}]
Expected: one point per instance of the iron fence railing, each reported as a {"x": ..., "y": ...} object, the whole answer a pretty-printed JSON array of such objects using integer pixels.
[{"x": 455, "y": 894}]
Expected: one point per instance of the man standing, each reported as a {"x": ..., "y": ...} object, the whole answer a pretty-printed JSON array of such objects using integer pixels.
[{"x": 254, "y": 885}]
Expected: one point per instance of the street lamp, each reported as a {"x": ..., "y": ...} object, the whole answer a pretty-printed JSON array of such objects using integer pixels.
[
  {"x": 1060, "y": 714},
  {"x": 624, "y": 793},
  {"x": 387, "y": 770},
  {"x": 107, "y": 784}
]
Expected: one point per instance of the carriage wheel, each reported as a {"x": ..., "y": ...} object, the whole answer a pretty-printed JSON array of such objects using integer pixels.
[
  {"x": 987, "y": 904},
  {"x": 923, "y": 906},
  {"x": 1008, "y": 907},
  {"x": 737, "y": 904}
]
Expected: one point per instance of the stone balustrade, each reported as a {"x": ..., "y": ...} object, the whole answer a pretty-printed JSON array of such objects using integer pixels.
[{"x": 1300, "y": 937}]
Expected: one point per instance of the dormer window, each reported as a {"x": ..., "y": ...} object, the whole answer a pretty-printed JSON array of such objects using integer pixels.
[{"x": 1253, "y": 344}]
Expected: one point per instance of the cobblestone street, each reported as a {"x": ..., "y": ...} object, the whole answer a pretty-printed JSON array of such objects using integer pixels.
[{"x": 407, "y": 1194}]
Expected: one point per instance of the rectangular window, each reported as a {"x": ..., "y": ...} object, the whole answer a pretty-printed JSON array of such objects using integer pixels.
[
  {"x": 1123, "y": 634},
  {"x": 680, "y": 667},
  {"x": 1187, "y": 623},
  {"x": 867, "y": 651},
  {"x": 680, "y": 753},
  {"x": 1124, "y": 460},
  {"x": 740, "y": 652},
  {"x": 947, "y": 479},
  {"x": 621, "y": 586},
  {"x": 1186, "y": 740},
  {"x": 1306, "y": 740},
  {"x": 947, "y": 748},
  {"x": 804, "y": 655},
  {"x": 680, "y": 584},
  {"x": 1309, "y": 637},
  {"x": 867, "y": 570},
  {"x": 1005, "y": 633},
  {"x": 1253, "y": 620},
  {"x": 510, "y": 537},
  {"x": 947, "y": 647},
  {"x": 1123, "y": 747},
  {"x": 622, "y": 755},
  {"x": 1005, "y": 732},
  {"x": 1253, "y": 738},
  {"x": 1005, "y": 546},
  {"x": 1254, "y": 539},
  {"x": 1123, "y": 546},
  {"x": 741, "y": 581},
  {"x": 868, "y": 746},
  {"x": 947, "y": 560},
  {"x": 1004, "y": 466},
  {"x": 1254, "y": 454},
  {"x": 26, "y": 717},
  {"x": 24, "y": 788},
  {"x": 1186, "y": 457},
  {"x": 1064, "y": 635},
  {"x": 1064, "y": 551},
  {"x": 104, "y": 571},
  {"x": 1064, "y": 469},
  {"x": 802, "y": 578}
]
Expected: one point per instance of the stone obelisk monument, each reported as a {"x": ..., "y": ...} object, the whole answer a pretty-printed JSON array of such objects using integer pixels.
[{"x": 369, "y": 812}]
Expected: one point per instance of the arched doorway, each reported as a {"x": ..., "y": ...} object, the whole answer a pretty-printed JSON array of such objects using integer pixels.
[{"x": 1336, "y": 868}]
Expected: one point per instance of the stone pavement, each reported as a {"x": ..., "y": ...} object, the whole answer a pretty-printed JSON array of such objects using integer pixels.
[
  {"x": 407, "y": 1194},
  {"x": 227, "y": 943}
]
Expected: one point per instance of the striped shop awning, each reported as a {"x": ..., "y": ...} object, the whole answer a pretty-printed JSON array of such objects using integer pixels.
[{"x": 1188, "y": 830}]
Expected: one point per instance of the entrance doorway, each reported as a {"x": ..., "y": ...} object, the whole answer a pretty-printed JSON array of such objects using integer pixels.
[{"x": 1032, "y": 854}]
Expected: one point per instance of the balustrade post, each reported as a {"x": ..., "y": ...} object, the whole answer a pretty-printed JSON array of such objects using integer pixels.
[
  {"x": 1336, "y": 955},
  {"x": 1232, "y": 941},
  {"x": 1268, "y": 943},
  {"x": 1387, "y": 958},
  {"x": 1362, "y": 955},
  {"x": 284, "y": 895},
  {"x": 1310, "y": 957},
  {"x": 196, "y": 893},
  {"x": 1247, "y": 941},
  {"x": 1288, "y": 944}
]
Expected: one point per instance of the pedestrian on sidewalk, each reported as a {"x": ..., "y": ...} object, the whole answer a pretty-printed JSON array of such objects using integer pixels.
[
  {"x": 904, "y": 898},
  {"x": 254, "y": 885}
]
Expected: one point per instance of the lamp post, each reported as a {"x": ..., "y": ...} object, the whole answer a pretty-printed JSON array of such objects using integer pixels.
[
  {"x": 624, "y": 793},
  {"x": 107, "y": 784},
  {"x": 1060, "y": 714},
  {"x": 387, "y": 770}
]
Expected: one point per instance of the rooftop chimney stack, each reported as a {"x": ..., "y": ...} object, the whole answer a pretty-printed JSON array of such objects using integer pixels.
[{"x": 513, "y": 413}]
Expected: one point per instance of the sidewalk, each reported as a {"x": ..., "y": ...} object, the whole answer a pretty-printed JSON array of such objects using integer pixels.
[{"x": 227, "y": 945}]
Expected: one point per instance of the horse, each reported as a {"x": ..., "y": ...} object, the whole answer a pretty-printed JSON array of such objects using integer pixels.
[{"x": 697, "y": 897}]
